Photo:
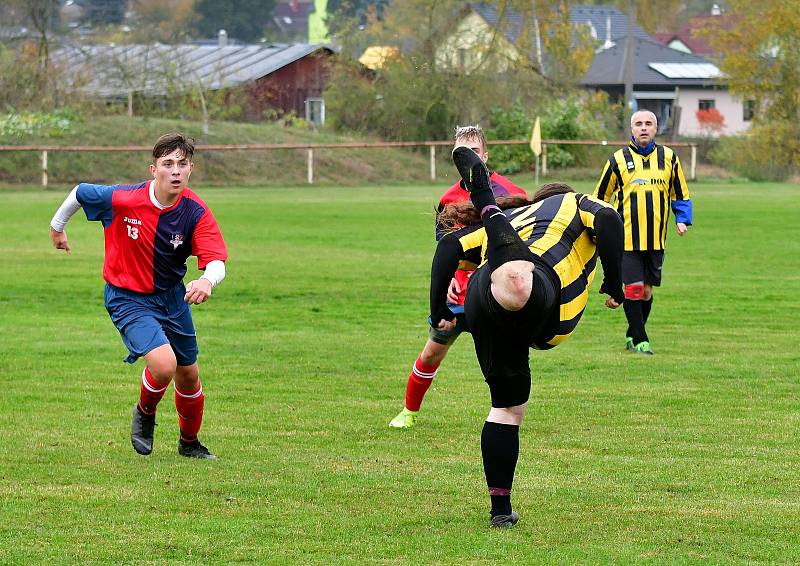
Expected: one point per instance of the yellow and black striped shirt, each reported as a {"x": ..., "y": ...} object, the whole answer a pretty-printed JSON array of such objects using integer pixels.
[
  {"x": 560, "y": 230},
  {"x": 642, "y": 187}
]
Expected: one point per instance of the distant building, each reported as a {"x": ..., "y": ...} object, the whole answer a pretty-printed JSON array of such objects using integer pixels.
[
  {"x": 664, "y": 78},
  {"x": 289, "y": 78},
  {"x": 689, "y": 40}
]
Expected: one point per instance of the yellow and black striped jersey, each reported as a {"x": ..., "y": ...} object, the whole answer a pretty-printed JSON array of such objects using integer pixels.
[
  {"x": 560, "y": 231},
  {"x": 641, "y": 187}
]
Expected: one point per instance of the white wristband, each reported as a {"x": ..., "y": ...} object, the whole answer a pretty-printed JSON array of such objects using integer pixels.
[
  {"x": 69, "y": 207},
  {"x": 215, "y": 272}
]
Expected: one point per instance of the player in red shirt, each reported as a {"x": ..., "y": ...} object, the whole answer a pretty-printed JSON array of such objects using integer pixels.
[
  {"x": 150, "y": 231},
  {"x": 427, "y": 363}
]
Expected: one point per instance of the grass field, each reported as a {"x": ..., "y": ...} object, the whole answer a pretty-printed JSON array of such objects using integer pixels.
[{"x": 692, "y": 456}]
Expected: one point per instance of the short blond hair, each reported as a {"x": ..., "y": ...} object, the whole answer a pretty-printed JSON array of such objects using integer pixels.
[{"x": 472, "y": 132}]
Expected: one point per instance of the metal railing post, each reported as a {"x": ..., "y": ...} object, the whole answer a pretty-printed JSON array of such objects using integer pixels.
[
  {"x": 310, "y": 166},
  {"x": 694, "y": 162},
  {"x": 433, "y": 163}
]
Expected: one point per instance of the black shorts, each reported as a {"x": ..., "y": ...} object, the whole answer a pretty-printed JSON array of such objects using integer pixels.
[
  {"x": 642, "y": 266},
  {"x": 503, "y": 338}
]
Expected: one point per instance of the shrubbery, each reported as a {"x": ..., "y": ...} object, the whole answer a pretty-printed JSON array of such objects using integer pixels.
[
  {"x": 579, "y": 116},
  {"x": 769, "y": 152},
  {"x": 18, "y": 125}
]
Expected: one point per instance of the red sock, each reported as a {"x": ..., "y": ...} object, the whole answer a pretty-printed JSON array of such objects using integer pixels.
[
  {"x": 190, "y": 412},
  {"x": 419, "y": 381},
  {"x": 150, "y": 393}
]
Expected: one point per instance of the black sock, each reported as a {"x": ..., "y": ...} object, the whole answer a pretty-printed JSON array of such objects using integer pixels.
[
  {"x": 480, "y": 189},
  {"x": 646, "y": 306},
  {"x": 633, "y": 312},
  {"x": 500, "y": 449}
]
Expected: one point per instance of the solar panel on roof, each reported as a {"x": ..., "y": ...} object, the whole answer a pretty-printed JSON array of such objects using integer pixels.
[{"x": 687, "y": 70}]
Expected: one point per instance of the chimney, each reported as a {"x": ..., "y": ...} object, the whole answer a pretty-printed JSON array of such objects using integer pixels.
[
  {"x": 715, "y": 10},
  {"x": 222, "y": 38}
]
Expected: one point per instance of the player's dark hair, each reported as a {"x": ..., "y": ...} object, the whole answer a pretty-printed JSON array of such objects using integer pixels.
[
  {"x": 168, "y": 143},
  {"x": 459, "y": 215},
  {"x": 551, "y": 189}
]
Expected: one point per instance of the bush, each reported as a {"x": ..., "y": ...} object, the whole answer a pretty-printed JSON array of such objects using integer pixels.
[
  {"x": 769, "y": 152},
  {"x": 578, "y": 116},
  {"x": 17, "y": 125}
]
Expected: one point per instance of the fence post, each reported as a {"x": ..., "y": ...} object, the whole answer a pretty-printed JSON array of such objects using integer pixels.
[
  {"x": 694, "y": 162},
  {"x": 544, "y": 160},
  {"x": 433, "y": 163},
  {"x": 44, "y": 168},
  {"x": 310, "y": 166}
]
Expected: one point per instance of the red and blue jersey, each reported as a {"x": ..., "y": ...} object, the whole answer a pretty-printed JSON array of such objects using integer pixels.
[
  {"x": 146, "y": 245},
  {"x": 501, "y": 187}
]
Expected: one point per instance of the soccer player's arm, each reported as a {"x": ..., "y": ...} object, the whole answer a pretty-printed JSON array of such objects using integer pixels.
[
  {"x": 211, "y": 251},
  {"x": 96, "y": 203},
  {"x": 609, "y": 181},
  {"x": 454, "y": 247},
  {"x": 681, "y": 202},
  {"x": 605, "y": 224}
]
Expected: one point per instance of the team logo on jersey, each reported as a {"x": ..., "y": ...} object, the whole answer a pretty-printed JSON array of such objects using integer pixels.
[
  {"x": 639, "y": 182},
  {"x": 177, "y": 240}
]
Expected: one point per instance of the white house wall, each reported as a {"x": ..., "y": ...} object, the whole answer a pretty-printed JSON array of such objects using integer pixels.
[
  {"x": 468, "y": 46},
  {"x": 731, "y": 109}
]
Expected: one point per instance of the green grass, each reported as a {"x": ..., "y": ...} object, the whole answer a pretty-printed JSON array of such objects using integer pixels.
[{"x": 687, "y": 457}]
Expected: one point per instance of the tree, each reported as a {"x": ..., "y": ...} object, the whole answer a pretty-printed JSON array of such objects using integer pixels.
[
  {"x": 164, "y": 21},
  {"x": 242, "y": 19},
  {"x": 760, "y": 55},
  {"x": 446, "y": 72},
  {"x": 760, "y": 60}
]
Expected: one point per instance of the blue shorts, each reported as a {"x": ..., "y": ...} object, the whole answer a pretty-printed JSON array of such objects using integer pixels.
[{"x": 147, "y": 321}]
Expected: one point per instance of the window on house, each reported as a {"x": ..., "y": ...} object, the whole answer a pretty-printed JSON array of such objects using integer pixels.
[
  {"x": 748, "y": 109},
  {"x": 315, "y": 111},
  {"x": 706, "y": 104}
]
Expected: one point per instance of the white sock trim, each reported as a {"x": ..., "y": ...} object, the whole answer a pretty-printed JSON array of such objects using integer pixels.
[
  {"x": 147, "y": 385},
  {"x": 422, "y": 374},
  {"x": 189, "y": 396}
]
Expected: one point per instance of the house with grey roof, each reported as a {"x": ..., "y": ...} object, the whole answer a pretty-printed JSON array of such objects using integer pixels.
[
  {"x": 672, "y": 83},
  {"x": 289, "y": 78},
  {"x": 665, "y": 79}
]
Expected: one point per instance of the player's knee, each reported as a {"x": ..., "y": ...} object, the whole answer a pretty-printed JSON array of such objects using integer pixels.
[
  {"x": 187, "y": 377},
  {"x": 634, "y": 292},
  {"x": 433, "y": 353},
  {"x": 162, "y": 364}
]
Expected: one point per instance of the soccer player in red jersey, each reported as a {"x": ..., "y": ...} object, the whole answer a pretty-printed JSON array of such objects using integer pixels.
[
  {"x": 150, "y": 230},
  {"x": 427, "y": 363}
]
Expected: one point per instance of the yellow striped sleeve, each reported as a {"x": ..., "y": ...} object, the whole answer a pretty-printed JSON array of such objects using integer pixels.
[{"x": 608, "y": 181}]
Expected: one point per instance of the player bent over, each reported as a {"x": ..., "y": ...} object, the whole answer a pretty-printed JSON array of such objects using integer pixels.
[
  {"x": 150, "y": 230},
  {"x": 529, "y": 292}
]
